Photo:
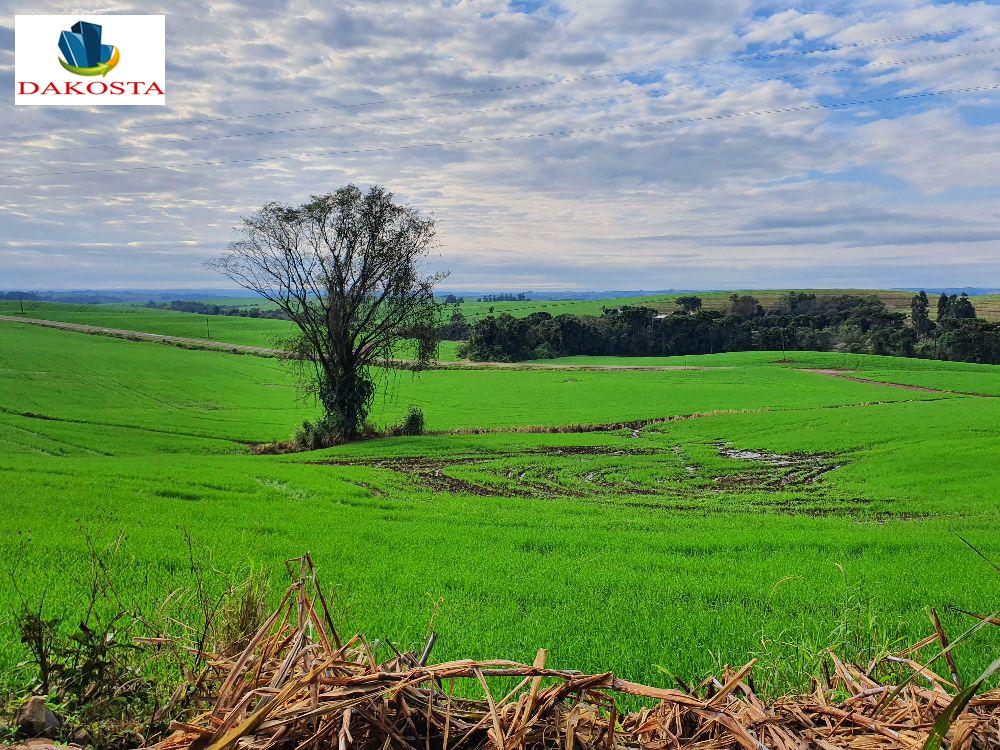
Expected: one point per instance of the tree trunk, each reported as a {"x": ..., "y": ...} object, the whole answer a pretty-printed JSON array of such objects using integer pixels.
[{"x": 345, "y": 393}]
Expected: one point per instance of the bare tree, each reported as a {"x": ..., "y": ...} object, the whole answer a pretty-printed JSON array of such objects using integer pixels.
[{"x": 348, "y": 268}]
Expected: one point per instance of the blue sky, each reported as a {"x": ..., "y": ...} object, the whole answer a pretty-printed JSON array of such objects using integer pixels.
[{"x": 896, "y": 193}]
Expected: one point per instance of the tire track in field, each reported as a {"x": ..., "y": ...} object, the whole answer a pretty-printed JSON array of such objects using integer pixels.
[
  {"x": 632, "y": 424},
  {"x": 49, "y": 439},
  {"x": 788, "y": 484},
  {"x": 638, "y": 424},
  {"x": 116, "y": 425},
  {"x": 849, "y": 375}
]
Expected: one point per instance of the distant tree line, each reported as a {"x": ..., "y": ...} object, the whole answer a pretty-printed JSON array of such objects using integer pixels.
[
  {"x": 66, "y": 298},
  {"x": 505, "y": 297},
  {"x": 204, "y": 308},
  {"x": 797, "y": 321},
  {"x": 25, "y": 296}
]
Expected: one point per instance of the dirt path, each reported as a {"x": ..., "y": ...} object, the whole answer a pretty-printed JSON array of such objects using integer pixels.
[
  {"x": 264, "y": 351},
  {"x": 849, "y": 375},
  {"x": 121, "y": 333}
]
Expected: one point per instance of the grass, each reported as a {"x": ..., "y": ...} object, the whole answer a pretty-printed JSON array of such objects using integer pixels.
[
  {"x": 650, "y": 553},
  {"x": 951, "y": 376},
  {"x": 244, "y": 398},
  {"x": 224, "y": 328},
  {"x": 232, "y": 330}
]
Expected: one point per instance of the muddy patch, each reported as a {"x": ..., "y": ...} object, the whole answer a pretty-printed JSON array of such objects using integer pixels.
[
  {"x": 774, "y": 459},
  {"x": 781, "y": 471},
  {"x": 690, "y": 468},
  {"x": 771, "y": 482},
  {"x": 530, "y": 478},
  {"x": 593, "y": 450},
  {"x": 432, "y": 474},
  {"x": 528, "y": 474}
]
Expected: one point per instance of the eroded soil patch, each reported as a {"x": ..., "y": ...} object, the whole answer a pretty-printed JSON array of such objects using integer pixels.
[
  {"x": 781, "y": 471},
  {"x": 609, "y": 474}
]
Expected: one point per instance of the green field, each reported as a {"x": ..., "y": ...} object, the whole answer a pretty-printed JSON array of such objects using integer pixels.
[
  {"x": 221, "y": 328},
  {"x": 232, "y": 330},
  {"x": 987, "y": 306},
  {"x": 651, "y": 550}
]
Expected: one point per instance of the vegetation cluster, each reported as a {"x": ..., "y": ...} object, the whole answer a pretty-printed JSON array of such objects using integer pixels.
[
  {"x": 503, "y": 297},
  {"x": 207, "y": 308},
  {"x": 850, "y": 323}
]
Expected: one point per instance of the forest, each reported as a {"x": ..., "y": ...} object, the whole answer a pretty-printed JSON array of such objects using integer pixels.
[{"x": 855, "y": 324}]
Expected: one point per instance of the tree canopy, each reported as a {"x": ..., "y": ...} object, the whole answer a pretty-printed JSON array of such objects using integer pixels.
[
  {"x": 852, "y": 323},
  {"x": 348, "y": 268}
]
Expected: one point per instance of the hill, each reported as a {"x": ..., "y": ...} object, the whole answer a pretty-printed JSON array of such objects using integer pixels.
[{"x": 751, "y": 499}]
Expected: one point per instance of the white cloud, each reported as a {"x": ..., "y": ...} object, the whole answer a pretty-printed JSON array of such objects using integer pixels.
[{"x": 798, "y": 197}]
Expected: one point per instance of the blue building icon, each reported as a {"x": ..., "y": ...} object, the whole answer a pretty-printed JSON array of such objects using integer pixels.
[{"x": 82, "y": 46}]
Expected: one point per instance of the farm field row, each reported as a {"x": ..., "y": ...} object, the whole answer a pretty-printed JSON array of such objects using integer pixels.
[
  {"x": 626, "y": 549},
  {"x": 960, "y": 377}
]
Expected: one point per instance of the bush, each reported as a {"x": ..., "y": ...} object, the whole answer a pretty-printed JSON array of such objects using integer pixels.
[
  {"x": 310, "y": 437},
  {"x": 413, "y": 422},
  {"x": 313, "y": 436}
]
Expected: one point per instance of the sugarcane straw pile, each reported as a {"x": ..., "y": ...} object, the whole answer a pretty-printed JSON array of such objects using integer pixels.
[{"x": 296, "y": 684}]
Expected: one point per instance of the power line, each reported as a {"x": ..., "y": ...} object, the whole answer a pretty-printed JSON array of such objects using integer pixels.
[
  {"x": 527, "y": 136},
  {"x": 569, "y": 79},
  {"x": 530, "y": 105}
]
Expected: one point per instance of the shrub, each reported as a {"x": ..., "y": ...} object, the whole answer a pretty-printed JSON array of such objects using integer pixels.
[
  {"x": 310, "y": 437},
  {"x": 305, "y": 435},
  {"x": 413, "y": 422}
]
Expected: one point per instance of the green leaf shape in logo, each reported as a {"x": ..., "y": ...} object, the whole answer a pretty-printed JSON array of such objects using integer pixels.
[{"x": 98, "y": 70}]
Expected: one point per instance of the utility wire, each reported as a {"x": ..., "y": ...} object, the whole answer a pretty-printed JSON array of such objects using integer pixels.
[
  {"x": 558, "y": 81},
  {"x": 529, "y": 105},
  {"x": 528, "y": 136}
]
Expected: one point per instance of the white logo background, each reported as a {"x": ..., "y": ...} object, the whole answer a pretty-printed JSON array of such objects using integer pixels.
[{"x": 140, "y": 41}]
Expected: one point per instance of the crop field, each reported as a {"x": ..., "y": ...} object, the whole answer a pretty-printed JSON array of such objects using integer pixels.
[
  {"x": 220, "y": 328},
  {"x": 232, "y": 330},
  {"x": 749, "y": 507},
  {"x": 987, "y": 306}
]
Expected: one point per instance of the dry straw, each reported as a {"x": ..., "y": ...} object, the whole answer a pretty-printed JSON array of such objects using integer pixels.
[{"x": 294, "y": 684}]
